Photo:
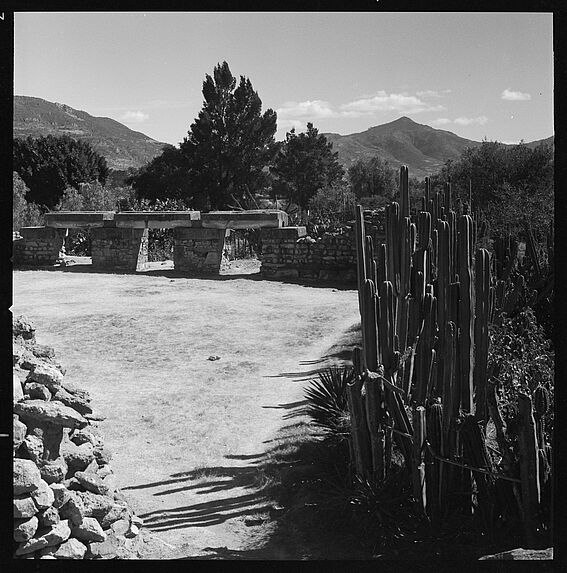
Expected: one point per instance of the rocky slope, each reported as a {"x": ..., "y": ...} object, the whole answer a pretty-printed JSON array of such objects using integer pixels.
[{"x": 122, "y": 147}]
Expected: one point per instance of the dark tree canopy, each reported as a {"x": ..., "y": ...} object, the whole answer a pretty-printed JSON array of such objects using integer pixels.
[
  {"x": 164, "y": 177},
  {"x": 512, "y": 185},
  {"x": 304, "y": 164},
  {"x": 372, "y": 177},
  {"x": 229, "y": 143},
  {"x": 49, "y": 164}
]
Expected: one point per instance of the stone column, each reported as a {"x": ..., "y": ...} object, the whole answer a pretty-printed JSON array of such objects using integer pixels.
[
  {"x": 198, "y": 250},
  {"x": 119, "y": 248},
  {"x": 38, "y": 246}
]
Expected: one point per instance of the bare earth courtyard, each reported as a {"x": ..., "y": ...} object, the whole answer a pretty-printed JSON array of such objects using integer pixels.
[{"x": 184, "y": 429}]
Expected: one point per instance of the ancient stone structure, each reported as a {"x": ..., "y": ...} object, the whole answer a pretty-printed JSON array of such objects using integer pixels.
[
  {"x": 288, "y": 252},
  {"x": 37, "y": 245},
  {"x": 120, "y": 240},
  {"x": 66, "y": 503}
]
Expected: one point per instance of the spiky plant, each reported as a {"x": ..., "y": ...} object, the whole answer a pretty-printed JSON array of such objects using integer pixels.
[{"x": 327, "y": 400}]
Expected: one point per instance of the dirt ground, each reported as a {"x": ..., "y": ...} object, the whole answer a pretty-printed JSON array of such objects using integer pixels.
[{"x": 195, "y": 377}]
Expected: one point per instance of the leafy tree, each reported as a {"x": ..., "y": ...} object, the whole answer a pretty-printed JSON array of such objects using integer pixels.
[
  {"x": 50, "y": 164},
  {"x": 332, "y": 206},
  {"x": 229, "y": 143},
  {"x": 512, "y": 185},
  {"x": 24, "y": 214},
  {"x": 165, "y": 177},
  {"x": 372, "y": 177},
  {"x": 304, "y": 164},
  {"x": 94, "y": 197}
]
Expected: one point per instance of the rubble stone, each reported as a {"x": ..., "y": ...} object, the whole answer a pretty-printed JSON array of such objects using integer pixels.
[
  {"x": 33, "y": 447},
  {"x": 48, "y": 517},
  {"x": 61, "y": 494},
  {"x": 35, "y": 390},
  {"x": 88, "y": 530},
  {"x": 70, "y": 549},
  {"x": 46, "y": 374},
  {"x": 54, "y": 471},
  {"x": 18, "y": 392},
  {"x": 19, "y": 432},
  {"x": 92, "y": 482},
  {"x": 78, "y": 404},
  {"x": 25, "y": 528},
  {"x": 26, "y": 476},
  {"x": 53, "y": 412},
  {"x": 24, "y": 507},
  {"x": 43, "y": 496}
]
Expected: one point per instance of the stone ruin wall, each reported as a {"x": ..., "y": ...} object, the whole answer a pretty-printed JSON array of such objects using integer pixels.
[
  {"x": 288, "y": 252},
  {"x": 66, "y": 501}
]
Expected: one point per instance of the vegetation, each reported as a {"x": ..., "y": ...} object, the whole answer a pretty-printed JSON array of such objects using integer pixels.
[
  {"x": 305, "y": 163},
  {"x": 24, "y": 214},
  {"x": 511, "y": 186},
  {"x": 330, "y": 208},
  {"x": 48, "y": 165},
  {"x": 372, "y": 177},
  {"x": 223, "y": 157}
]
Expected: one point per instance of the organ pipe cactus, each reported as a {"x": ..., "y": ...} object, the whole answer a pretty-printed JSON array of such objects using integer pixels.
[{"x": 426, "y": 299}]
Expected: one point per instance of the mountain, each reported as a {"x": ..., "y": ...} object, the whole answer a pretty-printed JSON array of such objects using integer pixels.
[
  {"x": 404, "y": 142},
  {"x": 121, "y": 146}
]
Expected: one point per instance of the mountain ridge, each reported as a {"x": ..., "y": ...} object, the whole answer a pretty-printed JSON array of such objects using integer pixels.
[
  {"x": 122, "y": 147},
  {"x": 424, "y": 149}
]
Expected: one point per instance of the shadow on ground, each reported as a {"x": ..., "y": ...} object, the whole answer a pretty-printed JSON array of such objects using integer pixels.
[{"x": 173, "y": 274}]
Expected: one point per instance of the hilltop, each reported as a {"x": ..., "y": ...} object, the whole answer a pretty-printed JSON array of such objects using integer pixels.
[
  {"x": 422, "y": 148},
  {"x": 121, "y": 146}
]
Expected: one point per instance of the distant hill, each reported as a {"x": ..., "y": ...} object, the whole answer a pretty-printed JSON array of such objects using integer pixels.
[
  {"x": 422, "y": 148},
  {"x": 122, "y": 147}
]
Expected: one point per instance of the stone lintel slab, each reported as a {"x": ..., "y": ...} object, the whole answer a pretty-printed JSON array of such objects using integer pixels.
[
  {"x": 252, "y": 219},
  {"x": 157, "y": 219},
  {"x": 198, "y": 233},
  {"x": 284, "y": 233},
  {"x": 78, "y": 219},
  {"x": 42, "y": 233}
]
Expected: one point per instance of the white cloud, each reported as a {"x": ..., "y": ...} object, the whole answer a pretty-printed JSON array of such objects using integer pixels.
[
  {"x": 382, "y": 101},
  {"x": 480, "y": 120},
  {"x": 288, "y": 124},
  {"x": 515, "y": 96},
  {"x": 134, "y": 117},
  {"x": 432, "y": 93},
  {"x": 310, "y": 109},
  {"x": 440, "y": 121}
]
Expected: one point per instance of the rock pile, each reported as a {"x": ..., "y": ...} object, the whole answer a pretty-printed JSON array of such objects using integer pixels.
[{"x": 66, "y": 503}]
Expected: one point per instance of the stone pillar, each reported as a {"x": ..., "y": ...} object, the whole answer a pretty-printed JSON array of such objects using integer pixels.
[
  {"x": 198, "y": 250},
  {"x": 119, "y": 248},
  {"x": 38, "y": 246}
]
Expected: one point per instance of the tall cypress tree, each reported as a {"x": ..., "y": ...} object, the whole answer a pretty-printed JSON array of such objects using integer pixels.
[{"x": 229, "y": 143}]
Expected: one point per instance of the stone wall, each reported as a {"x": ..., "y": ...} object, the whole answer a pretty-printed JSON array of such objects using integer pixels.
[
  {"x": 66, "y": 503},
  {"x": 37, "y": 246},
  {"x": 198, "y": 250},
  {"x": 119, "y": 248},
  {"x": 288, "y": 252}
]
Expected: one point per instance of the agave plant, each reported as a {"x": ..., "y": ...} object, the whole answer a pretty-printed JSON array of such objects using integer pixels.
[{"x": 327, "y": 400}]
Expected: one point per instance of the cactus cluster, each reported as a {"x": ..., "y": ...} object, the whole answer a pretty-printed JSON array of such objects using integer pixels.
[{"x": 426, "y": 299}]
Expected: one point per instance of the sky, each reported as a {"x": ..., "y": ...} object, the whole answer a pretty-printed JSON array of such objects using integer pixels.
[{"x": 479, "y": 75}]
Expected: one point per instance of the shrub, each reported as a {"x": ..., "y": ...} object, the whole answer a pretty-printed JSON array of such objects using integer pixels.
[
  {"x": 327, "y": 400},
  {"x": 24, "y": 214}
]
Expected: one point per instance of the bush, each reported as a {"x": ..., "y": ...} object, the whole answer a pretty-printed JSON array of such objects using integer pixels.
[
  {"x": 331, "y": 208},
  {"x": 522, "y": 360},
  {"x": 24, "y": 214},
  {"x": 328, "y": 403}
]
